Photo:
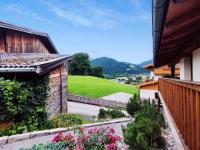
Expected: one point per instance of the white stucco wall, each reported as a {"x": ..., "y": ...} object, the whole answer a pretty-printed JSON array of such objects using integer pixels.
[
  {"x": 185, "y": 68},
  {"x": 196, "y": 65}
]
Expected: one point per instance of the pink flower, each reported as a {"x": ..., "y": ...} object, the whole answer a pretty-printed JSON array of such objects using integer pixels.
[
  {"x": 90, "y": 130},
  {"x": 101, "y": 141},
  {"x": 57, "y": 137},
  {"x": 68, "y": 137},
  {"x": 81, "y": 129},
  {"x": 100, "y": 130},
  {"x": 111, "y": 130},
  {"x": 119, "y": 138},
  {"x": 113, "y": 139},
  {"x": 112, "y": 146},
  {"x": 80, "y": 148},
  {"x": 87, "y": 138},
  {"x": 79, "y": 139}
]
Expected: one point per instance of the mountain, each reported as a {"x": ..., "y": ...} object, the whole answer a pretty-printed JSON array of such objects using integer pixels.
[
  {"x": 142, "y": 64},
  {"x": 113, "y": 67}
]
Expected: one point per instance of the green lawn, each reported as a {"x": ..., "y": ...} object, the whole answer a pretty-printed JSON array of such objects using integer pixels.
[{"x": 96, "y": 87}]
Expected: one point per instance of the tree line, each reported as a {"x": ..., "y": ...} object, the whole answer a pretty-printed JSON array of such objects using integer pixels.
[{"x": 81, "y": 65}]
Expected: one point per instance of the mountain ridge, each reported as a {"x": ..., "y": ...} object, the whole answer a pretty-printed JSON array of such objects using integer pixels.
[{"x": 112, "y": 66}]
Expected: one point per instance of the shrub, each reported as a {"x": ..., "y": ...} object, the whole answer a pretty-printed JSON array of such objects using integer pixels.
[
  {"x": 49, "y": 146},
  {"x": 67, "y": 120},
  {"x": 144, "y": 134},
  {"x": 146, "y": 131},
  {"x": 133, "y": 105},
  {"x": 110, "y": 113},
  {"x": 149, "y": 110},
  {"x": 24, "y": 103},
  {"x": 13, "y": 129}
]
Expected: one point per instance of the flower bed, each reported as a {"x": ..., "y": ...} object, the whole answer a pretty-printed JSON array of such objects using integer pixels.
[{"x": 84, "y": 139}]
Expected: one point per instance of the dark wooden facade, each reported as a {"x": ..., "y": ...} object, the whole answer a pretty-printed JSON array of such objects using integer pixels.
[{"x": 18, "y": 42}]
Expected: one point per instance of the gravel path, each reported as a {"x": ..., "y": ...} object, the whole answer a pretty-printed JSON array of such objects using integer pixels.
[
  {"x": 170, "y": 142},
  {"x": 44, "y": 139}
]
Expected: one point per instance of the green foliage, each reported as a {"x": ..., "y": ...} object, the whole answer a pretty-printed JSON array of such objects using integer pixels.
[
  {"x": 133, "y": 105},
  {"x": 150, "y": 111},
  {"x": 67, "y": 120},
  {"x": 13, "y": 129},
  {"x": 110, "y": 113},
  {"x": 49, "y": 146},
  {"x": 96, "y": 87},
  {"x": 80, "y": 64},
  {"x": 24, "y": 104},
  {"x": 97, "y": 72},
  {"x": 145, "y": 132}
]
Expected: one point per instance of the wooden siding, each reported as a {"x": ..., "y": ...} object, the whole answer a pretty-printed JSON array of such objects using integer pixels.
[
  {"x": 18, "y": 42},
  {"x": 183, "y": 101},
  {"x": 57, "y": 100}
]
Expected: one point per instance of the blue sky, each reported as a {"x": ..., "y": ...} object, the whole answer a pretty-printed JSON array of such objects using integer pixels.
[{"x": 120, "y": 29}]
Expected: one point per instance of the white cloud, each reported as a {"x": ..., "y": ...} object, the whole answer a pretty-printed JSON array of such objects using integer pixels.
[
  {"x": 21, "y": 10},
  {"x": 87, "y": 15},
  {"x": 142, "y": 13}
]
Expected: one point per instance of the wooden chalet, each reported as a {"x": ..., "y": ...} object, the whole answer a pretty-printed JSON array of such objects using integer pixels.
[
  {"x": 25, "y": 53},
  {"x": 156, "y": 73},
  {"x": 176, "y": 33}
]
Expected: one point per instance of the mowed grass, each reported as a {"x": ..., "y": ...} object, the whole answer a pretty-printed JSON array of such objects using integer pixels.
[{"x": 96, "y": 87}]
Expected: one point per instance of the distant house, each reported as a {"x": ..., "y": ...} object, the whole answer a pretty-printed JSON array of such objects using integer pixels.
[
  {"x": 25, "y": 53},
  {"x": 156, "y": 73},
  {"x": 121, "y": 79}
]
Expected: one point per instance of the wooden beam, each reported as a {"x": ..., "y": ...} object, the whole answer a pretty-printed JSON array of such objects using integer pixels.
[
  {"x": 186, "y": 51},
  {"x": 190, "y": 16},
  {"x": 179, "y": 1},
  {"x": 182, "y": 33}
]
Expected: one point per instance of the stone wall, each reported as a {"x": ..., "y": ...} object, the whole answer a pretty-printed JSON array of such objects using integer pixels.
[
  {"x": 57, "y": 100},
  {"x": 93, "y": 101}
]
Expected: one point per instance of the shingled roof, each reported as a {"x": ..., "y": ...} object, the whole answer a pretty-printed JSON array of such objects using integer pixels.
[
  {"x": 44, "y": 36},
  {"x": 39, "y": 63}
]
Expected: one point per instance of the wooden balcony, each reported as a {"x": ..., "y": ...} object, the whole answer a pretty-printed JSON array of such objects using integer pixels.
[{"x": 183, "y": 101}]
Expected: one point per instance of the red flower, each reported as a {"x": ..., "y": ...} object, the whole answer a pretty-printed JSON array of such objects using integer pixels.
[{"x": 57, "y": 137}]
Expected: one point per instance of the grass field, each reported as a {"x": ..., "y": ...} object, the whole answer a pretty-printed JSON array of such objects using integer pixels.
[{"x": 96, "y": 87}]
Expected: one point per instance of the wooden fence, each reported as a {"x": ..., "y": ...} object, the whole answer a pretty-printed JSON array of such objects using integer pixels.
[{"x": 183, "y": 101}]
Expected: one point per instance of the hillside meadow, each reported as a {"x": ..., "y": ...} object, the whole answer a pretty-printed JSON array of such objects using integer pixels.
[{"x": 96, "y": 87}]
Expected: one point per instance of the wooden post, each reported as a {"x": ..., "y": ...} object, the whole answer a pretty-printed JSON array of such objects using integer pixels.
[
  {"x": 172, "y": 71},
  {"x": 61, "y": 98}
]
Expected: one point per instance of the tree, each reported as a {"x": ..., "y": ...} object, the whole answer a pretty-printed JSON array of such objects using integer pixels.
[
  {"x": 80, "y": 64},
  {"x": 97, "y": 71}
]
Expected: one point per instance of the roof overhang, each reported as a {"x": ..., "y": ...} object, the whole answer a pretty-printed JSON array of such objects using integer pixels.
[
  {"x": 176, "y": 30},
  {"x": 38, "y": 68}
]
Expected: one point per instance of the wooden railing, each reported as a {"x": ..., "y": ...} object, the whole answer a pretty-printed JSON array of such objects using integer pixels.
[{"x": 183, "y": 101}]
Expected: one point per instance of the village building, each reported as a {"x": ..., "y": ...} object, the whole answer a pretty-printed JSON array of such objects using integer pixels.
[
  {"x": 25, "y": 53},
  {"x": 176, "y": 26},
  {"x": 156, "y": 73}
]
